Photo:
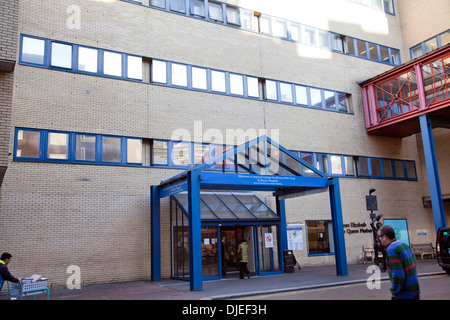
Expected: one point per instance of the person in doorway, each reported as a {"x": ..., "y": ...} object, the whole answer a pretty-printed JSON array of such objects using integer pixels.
[
  {"x": 243, "y": 259},
  {"x": 401, "y": 266},
  {"x": 5, "y": 259}
]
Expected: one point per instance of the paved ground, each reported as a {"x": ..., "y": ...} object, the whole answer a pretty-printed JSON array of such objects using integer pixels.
[{"x": 169, "y": 289}]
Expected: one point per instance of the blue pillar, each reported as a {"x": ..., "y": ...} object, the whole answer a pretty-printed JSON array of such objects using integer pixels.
[
  {"x": 155, "y": 229},
  {"x": 195, "y": 232},
  {"x": 432, "y": 172},
  {"x": 340, "y": 254},
  {"x": 281, "y": 211}
]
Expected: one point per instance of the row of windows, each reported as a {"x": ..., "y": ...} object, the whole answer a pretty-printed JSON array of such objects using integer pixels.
[
  {"x": 76, "y": 58},
  {"x": 430, "y": 44},
  {"x": 292, "y": 31},
  {"x": 71, "y": 147},
  {"x": 386, "y": 5}
]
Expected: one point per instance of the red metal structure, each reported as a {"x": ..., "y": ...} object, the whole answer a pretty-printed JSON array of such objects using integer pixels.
[{"x": 394, "y": 100}]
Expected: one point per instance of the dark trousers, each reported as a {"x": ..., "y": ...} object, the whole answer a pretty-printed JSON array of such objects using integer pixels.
[{"x": 243, "y": 269}]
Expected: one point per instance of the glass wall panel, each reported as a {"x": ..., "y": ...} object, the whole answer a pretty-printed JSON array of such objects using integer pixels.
[
  {"x": 28, "y": 143},
  {"x": 210, "y": 252},
  {"x": 111, "y": 149},
  {"x": 33, "y": 50},
  {"x": 87, "y": 59},
  {"x": 159, "y": 152},
  {"x": 61, "y": 55},
  {"x": 58, "y": 146},
  {"x": 320, "y": 237},
  {"x": 112, "y": 63},
  {"x": 268, "y": 248},
  {"x": 134, "y": 151},
  {"x": 85, "y": 147}
]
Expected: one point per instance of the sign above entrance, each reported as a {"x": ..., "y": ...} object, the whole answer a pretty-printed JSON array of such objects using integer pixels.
[{"x": 174, "y": 188}]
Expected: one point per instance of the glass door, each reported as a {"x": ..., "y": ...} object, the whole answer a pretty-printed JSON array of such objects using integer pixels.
[
  {"x": 231, "y": 237},
  {"x": 210, "y": 252},
  {"x": 268, "y": 248}
]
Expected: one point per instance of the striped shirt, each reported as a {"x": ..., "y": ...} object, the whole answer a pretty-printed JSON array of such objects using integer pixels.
[{"x": 402, "y": 270}]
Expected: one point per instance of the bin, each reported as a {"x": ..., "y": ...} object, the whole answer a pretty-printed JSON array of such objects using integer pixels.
[{"x": 288, "y": 259}]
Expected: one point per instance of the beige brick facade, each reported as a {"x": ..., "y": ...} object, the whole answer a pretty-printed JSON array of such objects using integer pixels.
[{"x": 98, "y": 217}]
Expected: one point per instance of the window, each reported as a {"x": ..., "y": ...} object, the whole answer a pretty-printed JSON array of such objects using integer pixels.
[
  {"x": 445, "y": 38},
  {"x": 87, "y": 59},
  {"x": 342, "y": 100},
  {"x": 85, "y": 147},
  {"x": 180, "y": 153},
  {"x": 336, "y": 165},
  {"x": 159, "y": 71},
  {"x": 373, "y": 51},
  {"x": 431, "y": 45},
  {"x": 233, "y": 16},
  {"x": 349, "y": 46},
  {"x": 247, "y": 20},
  {"x": 218, "y": 81},
  {"x": 322, "y": 163},
  {"x": 320, "y": 237},
  {"x": 330, "y": 102},
  {"x": 198, "y": 8},
  {"x": 58, "y": 146},
  {"x": 199, "y": 78},
  {"x": 271, "y": 90},
  {"x": 388, "y": 6},
  {"x": 61, "y": 55},
  {"x": 362, "y": 51},
  {"x": 134, "y": 68},
  {"x": 33, "y": 50},
  {"x": 253, "y": 87},
  {"x": 384, "y": 54},
  {"x": 376, "y": 167},
  {"x": 316, "y": 97},
  {"x": 279, "y": 28},
  {"x": 236, "y": 84},
  {"x": 178, "y": 6},
  {"x": 111, "y": 149},
  {"x": 399, "y": 169},
  {"x": 112, "y": 63},
  {"x": 363, "y": 169},
  {"x": 349, "y": 167},
  {"x": 301, "y": 95},
  {"x": 28, "y": 144},
  {"x": 387, "y": 168},
  {"x": 310, "y": 36},
  {"x": 159, "y": 152},
  {"x": 264, "y": 25},
  {"x": 179, "y": 75},
  {"x": 296, "y": 32},
  {"x": 201, "y": 153},
  {"x": 215, "y": 11},
  {"x": 286, "y": 92},
  {"x": 134, "y": 151},
  {"x": 159, "y": 3},
  {"x": 324, "y": 39},
  {"x": 410, "y": 170}
]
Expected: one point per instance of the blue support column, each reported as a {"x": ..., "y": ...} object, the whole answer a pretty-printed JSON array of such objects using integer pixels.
[
  {"x": 195, "y": 232},
  {"x": 338, "y": 227},
  {"x": 432, "y": 172},
  {"x": 281, "y": 211},
  {"x": 155, "y": 230}
]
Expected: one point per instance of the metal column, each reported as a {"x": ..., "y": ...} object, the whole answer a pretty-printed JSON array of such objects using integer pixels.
[
  {"x": 338, "y": 227},
  {"x": 155, "y": 227},
  {"x": 432, "y": 172},
  {"x": 195, "y": 232}
]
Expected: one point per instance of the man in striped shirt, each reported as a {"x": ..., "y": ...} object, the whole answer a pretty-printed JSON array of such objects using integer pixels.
[{"x": 401, "y": 266}]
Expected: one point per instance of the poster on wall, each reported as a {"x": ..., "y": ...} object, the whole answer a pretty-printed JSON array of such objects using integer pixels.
[
  {"x": 401, "y": 229},
  {"x": 295, "y": 237},
  {"x": 268, "y": 240}
]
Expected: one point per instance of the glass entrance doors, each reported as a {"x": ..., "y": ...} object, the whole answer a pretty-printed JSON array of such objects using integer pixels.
[{"x": 231, "y": 238}]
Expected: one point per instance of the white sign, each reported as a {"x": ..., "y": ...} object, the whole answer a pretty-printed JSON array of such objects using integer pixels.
[
  {"x": 295, "y": 237},
  {"x": 268, "y": 240}
]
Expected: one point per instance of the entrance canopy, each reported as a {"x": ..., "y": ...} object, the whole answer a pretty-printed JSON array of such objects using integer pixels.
[{"x": 258, "y": 165}]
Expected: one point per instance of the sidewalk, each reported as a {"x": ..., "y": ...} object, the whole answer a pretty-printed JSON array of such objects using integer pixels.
[{"x": 169, "y": 289}]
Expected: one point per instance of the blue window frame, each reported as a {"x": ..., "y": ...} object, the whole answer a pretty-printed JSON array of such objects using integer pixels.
[{"x": 430, "y": 44}]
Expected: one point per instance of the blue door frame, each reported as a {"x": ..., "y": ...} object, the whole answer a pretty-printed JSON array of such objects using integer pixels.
[{"x": 196, "y": 178}]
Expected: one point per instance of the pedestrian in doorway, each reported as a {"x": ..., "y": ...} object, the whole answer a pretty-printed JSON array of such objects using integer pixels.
[
  {"x": 401, "y": 266},
  {"x": 243, "y": 259}
]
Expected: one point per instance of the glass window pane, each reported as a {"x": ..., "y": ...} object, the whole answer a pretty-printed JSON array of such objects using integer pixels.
[
  {"x": 416, "y": 51},
  {"x": 218, "y": 81},
  {"x": 198, "y": 8},
  {"x": 134, "y": 67},
  {"x": 373, "y": 51},
  {"x": 431, "y": 45},
  {"x": 233, "y": 16},
  {"x": 296, "y": 32},
  {"x": 210, "y": 254},
  {"x": 399, "y": 169},
  {"x": 271, "y": 90},
  {"x": 307, "y": 157},
  {"x": 361, "y": 45},
  {"x": 112, "y": 64},
  {"x": 253, "y": 87},
  {"x": 363, "y": 169},
  {"x": 247, "y": 20},
  {"x": 310, "y": 36},
  {"x": 279, "y": 28},
  {"x": 33, "y": 50},
  {"x": 316, "y": 97},
  {"x": 322, "y": 163},
  {"x": 445, "y": 38},
  {"x": 336, "y": 42},
  {"x": 301, "y": 95},
  {"x": 395, "y": 57},
  {"x": 179, "y": 75},
  {"x": 384, "y": 54},
  {"x": 159, "y": 152},
  {"x": 387, "y": 168},
  {"x": 61, "y": 55},
  {"x": 236, "y": 84},
  {"x": 85, "y": 147},
  {"x": 159, "y": 3},
  {"x": 28, "y": 143},
  {"x": 320, "y": 237},
  {"x": 58, "y": 146},
  {"x": 342, "y": 100},
  {"x": 180, "y": 153},
  {"x": 324, "y": 39},
  {"x": 286, "y": 92},
  {"x": 349, "y": 46},
  {"x": 349, "y": 167},
  {"x": 264, "y": 25},
  {"x": 134, "y": 151},
  {"x": 376, "y": 167},
  {"x": 87, "y": 59},
  {"x": 159, "y": 71},
  {"x": 336, "y": 164},
  {"x": 178, "y": 5},
  {"x": 199, "y": 78},
  {"x": 330, "y": 101},
  {"x": 411, "y": 170},
  {"x": 388, "y": 6},
  {"x": 201, "y": 153},
  {"x": 215, "y": 11},
  {"x": 111, "y": 149}
]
